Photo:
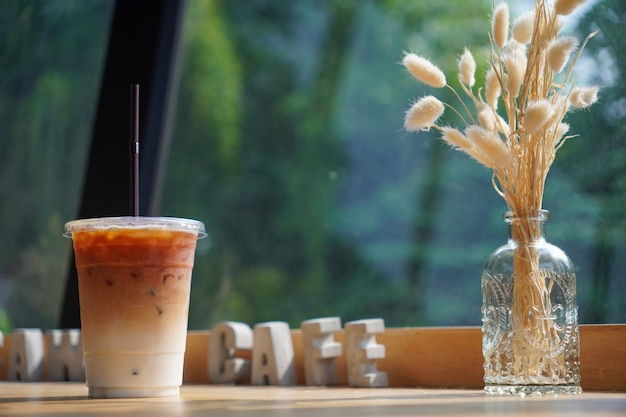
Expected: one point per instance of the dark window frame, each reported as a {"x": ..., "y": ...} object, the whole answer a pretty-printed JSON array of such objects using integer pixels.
[{"x": 143, "y": 49}]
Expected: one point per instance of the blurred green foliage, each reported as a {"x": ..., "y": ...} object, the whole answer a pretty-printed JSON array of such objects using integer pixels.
[
  {"x": 288, "y": 144},
  {"x": 323, "y": 205},
  {"x": 5, "y": 322},
  {"x": 51, "y": 55}
]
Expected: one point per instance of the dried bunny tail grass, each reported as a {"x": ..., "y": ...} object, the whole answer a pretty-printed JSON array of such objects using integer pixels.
[
  {"x": 559, "y": 135},
  {"x": 467, "y": 68},
  {"x": 502, "y": 126},
  {"x": 490, "y": 120},
  {"x": 493, "y": 89},
  {"x": 500, "y": 24},
  {"x": 455, "y": 138},
  {"x": 524, "y": 75},
  {"x": 561, "y": 130},
  {"x": 488, "y": 148},
  {"x": 513, "y": 47},
  {"x": 460, "y": 142},
  {"x": 591, "y": 97},
  {"x": 515, "y": 64},
  {"x": 583, "y": 97},
  {"x": 559, "y": 51},
  {"x": 486, "y": 117},
  {"x": 561, "y": 105},
  {"x": 423, "y": 70},
  {"x": 423, "y": 114},
  {"x": 546, "y": 25},
  {"x": 523, "y": 27},
  {"x": 566, "y": 7},
  {"x": 537, "y": 115},
  {"x": 479, "y": 157}
]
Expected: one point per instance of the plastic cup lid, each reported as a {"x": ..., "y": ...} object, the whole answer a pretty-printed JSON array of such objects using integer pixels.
[{"x": 136, "y": 222}]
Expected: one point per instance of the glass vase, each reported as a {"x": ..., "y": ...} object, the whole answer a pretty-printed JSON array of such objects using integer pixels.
[{"x": 531, "y": 343}]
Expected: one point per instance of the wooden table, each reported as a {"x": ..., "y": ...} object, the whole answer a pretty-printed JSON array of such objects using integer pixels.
[{"x": 67, "y": 399}]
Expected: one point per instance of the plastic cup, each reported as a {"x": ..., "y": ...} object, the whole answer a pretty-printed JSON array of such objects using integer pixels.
[{"x": 134, "y": 278}]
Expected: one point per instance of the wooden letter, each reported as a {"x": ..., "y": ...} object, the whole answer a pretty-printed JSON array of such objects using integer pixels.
[
  {"x": 320, "y": 350},
  {"x": 273, "y": 360},
  {"x": 26, "y": 357},
  {"x": 64, "y": 352},
  {"x": 362, "y": 353},
  {"x": 224, "y": 341}
]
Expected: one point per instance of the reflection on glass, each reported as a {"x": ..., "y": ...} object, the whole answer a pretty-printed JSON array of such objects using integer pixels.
[
  {"x": 288, "y": 144},
  {"x": 51, "y": 53}
]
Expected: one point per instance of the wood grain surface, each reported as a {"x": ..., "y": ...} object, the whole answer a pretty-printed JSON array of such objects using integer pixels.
[{"x": 70, "y": 399}]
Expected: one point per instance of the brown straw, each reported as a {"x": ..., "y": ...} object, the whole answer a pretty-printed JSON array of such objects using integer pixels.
[{"x": 134, "y": 147}]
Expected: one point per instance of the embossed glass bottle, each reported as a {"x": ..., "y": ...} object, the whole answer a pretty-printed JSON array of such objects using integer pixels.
[{"x": 530, "y": 315}]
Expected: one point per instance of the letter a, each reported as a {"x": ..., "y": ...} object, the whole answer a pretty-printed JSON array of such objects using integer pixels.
[{"x": 273, "y": 360}]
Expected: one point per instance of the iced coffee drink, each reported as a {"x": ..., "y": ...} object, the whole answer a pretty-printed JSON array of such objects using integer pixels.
[{"x": 134, "y": 277}]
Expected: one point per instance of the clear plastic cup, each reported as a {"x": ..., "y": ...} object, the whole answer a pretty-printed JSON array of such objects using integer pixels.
[{"x": 134, "y": 278}]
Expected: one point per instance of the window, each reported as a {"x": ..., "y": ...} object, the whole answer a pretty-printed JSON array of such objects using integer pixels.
[
  {"x": 51, "y": 55},
  {"x": 288, "y": 144},
  {"x": 287, "y": 141}
]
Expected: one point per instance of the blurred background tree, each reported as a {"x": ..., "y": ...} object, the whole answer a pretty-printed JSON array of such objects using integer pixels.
[
  {"x": 50, "y": 55},
  {"x": 602, "y": 133},
  {"x": 288, "y": 144},
  {"x": 323, "y": 205},
  {"x": 326, "y": 207}
]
